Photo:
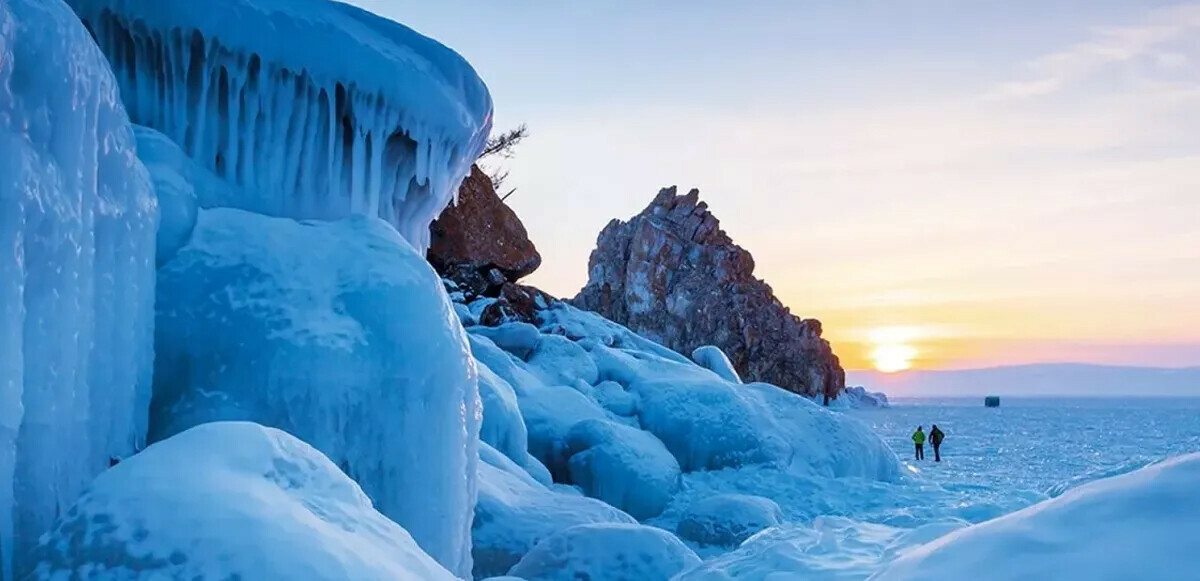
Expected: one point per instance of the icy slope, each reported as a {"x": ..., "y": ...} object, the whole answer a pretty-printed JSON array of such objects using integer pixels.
[
  {"x": 1142, "y": 525},
  {"x": 338, "y": 333},
  {"x": 515, "y": 512},
  {"x": 315, "y": 108},
  {"x": 77, "y": 226},
  {"x": 230, "y": 500},
  {"x": 627, "y": 421}
]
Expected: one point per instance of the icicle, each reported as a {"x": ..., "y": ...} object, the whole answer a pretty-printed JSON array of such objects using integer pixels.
[{"x": 298, "y": 144}]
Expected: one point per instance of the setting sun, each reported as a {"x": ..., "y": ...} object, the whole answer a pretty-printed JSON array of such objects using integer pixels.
[{"x": 893, "y": 358}]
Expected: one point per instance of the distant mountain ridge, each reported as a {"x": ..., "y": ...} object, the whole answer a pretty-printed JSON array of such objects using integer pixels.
[{"x": 1053, "y": 379}]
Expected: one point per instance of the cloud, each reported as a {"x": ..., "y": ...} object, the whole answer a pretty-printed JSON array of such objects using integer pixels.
[{"x": 1149, "y": 46}]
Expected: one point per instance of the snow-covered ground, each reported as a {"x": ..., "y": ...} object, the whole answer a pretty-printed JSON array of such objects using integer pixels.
[{"x": 996, "y": 462}]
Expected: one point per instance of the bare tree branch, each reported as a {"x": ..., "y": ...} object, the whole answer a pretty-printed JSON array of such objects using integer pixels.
[{"x": 503, "y": 144}]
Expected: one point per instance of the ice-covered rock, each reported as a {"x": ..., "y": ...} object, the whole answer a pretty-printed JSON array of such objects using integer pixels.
[
  {"x": 623, "y": 466},
  {"x": 229, "y": 500},
  {"x": 671, "y": 274},
  {"x": 728, "y": 519},
  {"x": 515, "y": 512},
  {"x": 557, "y": 360},
  {"x": 1141, "y": 525},
  {"x": 316, "y": 109},
  {"x": 613, "y": 552},
  {"x": 858, "y": 397},
  {"x": 515, "y": 302},
  {"x": 520, "y": 339},
  {"x": 550, "y": 413},
  {"x": 613, "y": 397},
  {"x": 339, "y": 333},
  {"x": 77, "y": 228},
  {"x": 713, "y": 359},
  {"x": 176, "y": 179},
  {"x": 709, "y": 424}
]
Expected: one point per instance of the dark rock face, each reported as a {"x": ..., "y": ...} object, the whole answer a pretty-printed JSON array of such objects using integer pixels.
[
  {"x": 479, "y": 242},
  {"x": 672, "y": 275},
  {"x": 516, "y": 303}
]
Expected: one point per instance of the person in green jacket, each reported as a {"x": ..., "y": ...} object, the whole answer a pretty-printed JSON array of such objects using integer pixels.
[{"x": 919, "y": 441}]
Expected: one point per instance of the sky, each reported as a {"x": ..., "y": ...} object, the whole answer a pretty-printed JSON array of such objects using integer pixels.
[{"x": 945, "y": 184}]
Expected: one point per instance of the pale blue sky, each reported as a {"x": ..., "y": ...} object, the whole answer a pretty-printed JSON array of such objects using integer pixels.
[{"x": 1009, "y": 181}]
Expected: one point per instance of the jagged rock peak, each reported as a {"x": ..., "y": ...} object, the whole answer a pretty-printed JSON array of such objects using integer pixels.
[{"x": 671, "y": 274}]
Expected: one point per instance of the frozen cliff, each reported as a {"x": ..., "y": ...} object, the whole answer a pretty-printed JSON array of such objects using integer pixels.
[
  {"x": 670, "y": 273},
  {"x": 316, "y": 109},
  {"x": 77, "y": 227}
]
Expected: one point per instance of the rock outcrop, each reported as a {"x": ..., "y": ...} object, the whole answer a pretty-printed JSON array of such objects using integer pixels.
[
  {"x": 672, "y": 275},
  {"x": 478, "y": 242}
]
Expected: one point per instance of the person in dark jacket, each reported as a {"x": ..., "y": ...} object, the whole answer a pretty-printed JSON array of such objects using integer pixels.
[
  {"x": 918, "y": 439},
  {"x": 936, "y": 436}
]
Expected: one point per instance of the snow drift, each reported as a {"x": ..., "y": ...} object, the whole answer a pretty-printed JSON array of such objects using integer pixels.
[
  {"x": 316, "y": 109},
  {"x": 338, "y": 333},
  {"x": 1141, "y": 525},
  {"x": 77, "y": 227},
  {"x": 515, "y": 513},
  {"x": 612, "y": 552},
  {"x": 229, "y": 500}
]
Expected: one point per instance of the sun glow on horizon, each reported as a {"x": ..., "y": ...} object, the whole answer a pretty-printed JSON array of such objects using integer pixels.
[
  {"x": 893, "y": 358},
  {"x": 893, "y": 350}
]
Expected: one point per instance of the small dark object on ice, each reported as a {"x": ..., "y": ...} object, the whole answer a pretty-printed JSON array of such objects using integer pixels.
[{"x": 992, "y": 401}]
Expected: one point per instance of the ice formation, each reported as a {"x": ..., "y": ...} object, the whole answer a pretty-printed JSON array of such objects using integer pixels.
[
  {"x": 175, "y": 182},
  {"x": 1141, "y": 525},
  {"x": 77, "y": 226},
  {"x": 621, "y": 465},
  {"x": 715, "y": 360},
  {"x": 229, "y": 500},
  {"x": 515, "y": 512},
  {"x": 316, "y": 109},
  {"x": 613, "y": 552},
  {"x": 340, "y": 334},
  {"x": 728, "y": 519}
]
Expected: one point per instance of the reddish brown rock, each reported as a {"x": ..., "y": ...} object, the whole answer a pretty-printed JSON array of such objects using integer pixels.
[
  {"x": 479, "y": 242},
  {"x": 672, "y": 275},
  {"x": 516, "y": 303}
]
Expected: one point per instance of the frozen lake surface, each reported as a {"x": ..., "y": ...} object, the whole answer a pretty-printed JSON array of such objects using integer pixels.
[
  {"x": 995, "y": 461},
  {"x": 1037, "y": 446}
]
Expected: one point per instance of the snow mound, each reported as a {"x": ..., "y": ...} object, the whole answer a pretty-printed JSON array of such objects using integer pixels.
[
  {"x": 77, "y": 227},
  {"x": 832, "y": 549},
  {"x": 623, "y": 466},
  {"x": 229, "y": 500},
  {"x": 519, "y": 339},
  {"x": 514, "y": 513},
  {"x": 613, "y": 397},
  {"x": 715, "y": 360},
  {"x": 316, "y": 109},
  {"x": 728, "y": 519},
  {"x": 558, "y": 360},
  {"x": 612, "y": 552},
  {"x": 340, "y": 334},
  {"x": 1141, "y": 525},
  {"x": 550, "y": 414}
]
